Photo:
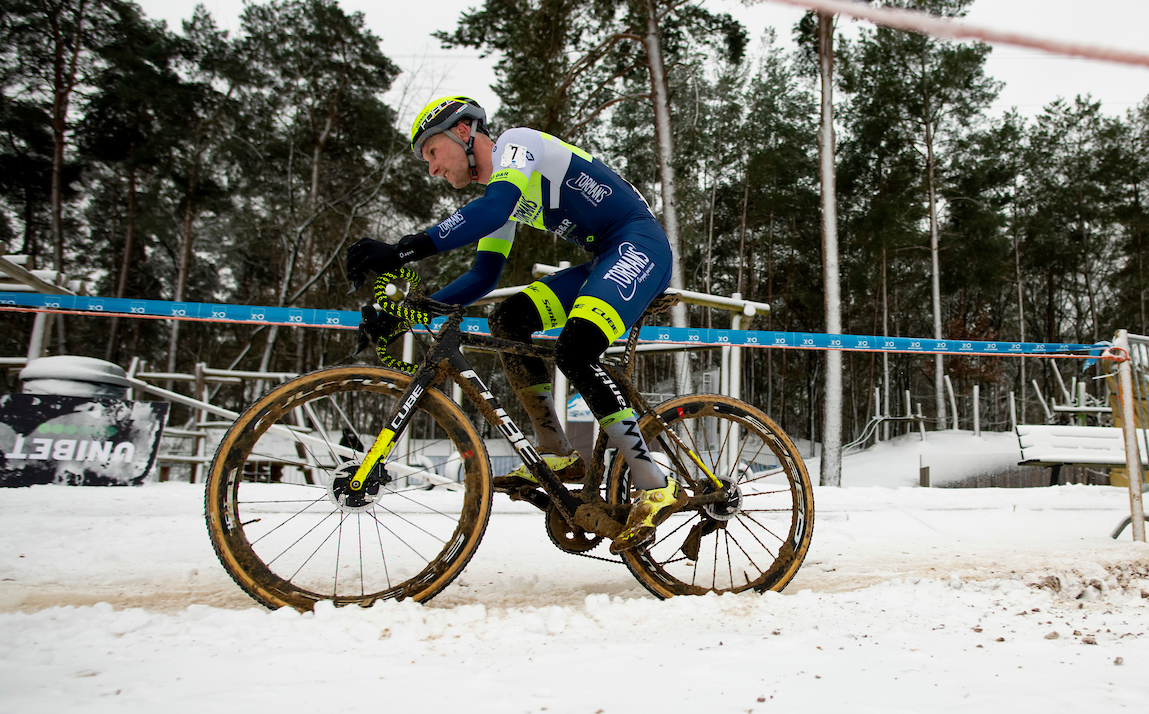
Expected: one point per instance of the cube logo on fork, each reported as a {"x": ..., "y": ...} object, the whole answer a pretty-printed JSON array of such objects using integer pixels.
[{"x": 386, "y": 439}]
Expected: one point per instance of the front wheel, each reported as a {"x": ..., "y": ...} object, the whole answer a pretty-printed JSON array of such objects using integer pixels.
[
  {"x": 291, "y": 533},
  {"x": 754, "y": 540}
]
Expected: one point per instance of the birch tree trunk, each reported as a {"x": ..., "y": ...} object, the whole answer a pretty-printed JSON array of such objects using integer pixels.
[
  {"x": 931, "y": 191},
  {"x": 831, "y": 464},
  {"x": 664, "y": 137},
  {"x": 885, "y": 355},
  {"x": 1020, "y": 320},
  {"x": 187, "y": 241}
]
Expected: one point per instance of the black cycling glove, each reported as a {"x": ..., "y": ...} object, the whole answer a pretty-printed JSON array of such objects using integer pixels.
[{"x": 371, "y": 256}]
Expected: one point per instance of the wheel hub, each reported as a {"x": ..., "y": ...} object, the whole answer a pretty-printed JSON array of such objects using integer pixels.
[
  {"x": 349, "y": 500},
  {"x": 728, "y": 509}
]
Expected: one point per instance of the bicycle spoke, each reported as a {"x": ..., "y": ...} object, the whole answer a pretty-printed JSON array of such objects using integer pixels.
[
  {"x": 338, "y": 553},
  {"x": 280, "y": 500},
  {"x": 412, "y": 524},
  {"x": 746, "y": 553},
  {"x": 714, "y": 570},
  {"x": 309, "y": 410},
  {"x": 729, "y": 563},
  {"x": 766, "y": 510},
  {"x": 425, "y": 506},
  {"x": 338, "y": 525},
  {"x": 743, "y": 552},
  {"x": 766, "y": 493},
  {"x": 671, "y": 534},
  {"x": 755, "y": 537},
  {"x": 298, "y": 513},
  {"x": 300, "y": 464},
  {"x": 769, "y": 474},
  {"x": 399, "y": 538},
  {"x": 359, "y": 532},
  {"x": 382, "y": 554}
]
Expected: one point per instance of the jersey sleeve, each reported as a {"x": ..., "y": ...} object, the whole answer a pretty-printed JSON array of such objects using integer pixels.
[
  {"x": 484, "y": 274},
  {"x": 478, "y": 219}
]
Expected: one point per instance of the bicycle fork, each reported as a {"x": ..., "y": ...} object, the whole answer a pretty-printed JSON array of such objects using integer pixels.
[{"x": 385, "y": 441}]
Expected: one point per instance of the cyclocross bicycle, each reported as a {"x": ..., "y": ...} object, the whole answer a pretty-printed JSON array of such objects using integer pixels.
[{"x": 356, "y": 484}]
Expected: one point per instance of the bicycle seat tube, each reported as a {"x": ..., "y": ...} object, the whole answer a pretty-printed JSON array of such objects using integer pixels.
[{"x": 492, "y": 410}]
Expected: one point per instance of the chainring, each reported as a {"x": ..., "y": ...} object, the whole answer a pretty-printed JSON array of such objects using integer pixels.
[{"x": 566, "y": 537}]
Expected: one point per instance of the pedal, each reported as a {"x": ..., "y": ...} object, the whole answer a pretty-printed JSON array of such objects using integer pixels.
[{"x": 569, "y": 469}]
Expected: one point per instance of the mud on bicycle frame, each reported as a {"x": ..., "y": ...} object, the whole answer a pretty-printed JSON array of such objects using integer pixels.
[{"x": 298, "y": 511}]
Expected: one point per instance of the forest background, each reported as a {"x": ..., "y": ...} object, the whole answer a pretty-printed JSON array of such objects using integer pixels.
[{"x": 208, "y": 166}]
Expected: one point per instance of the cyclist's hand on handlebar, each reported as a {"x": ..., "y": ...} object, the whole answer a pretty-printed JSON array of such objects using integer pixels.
[{"x": 368, "y": 255}]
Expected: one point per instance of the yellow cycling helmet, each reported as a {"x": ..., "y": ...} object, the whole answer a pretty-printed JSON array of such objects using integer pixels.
[{"x": 440, "y": 116}]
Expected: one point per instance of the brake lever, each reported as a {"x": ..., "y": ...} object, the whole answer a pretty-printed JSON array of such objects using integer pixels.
[{"x": 370, "y": 317}]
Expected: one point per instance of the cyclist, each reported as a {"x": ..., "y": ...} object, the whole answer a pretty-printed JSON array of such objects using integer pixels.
[{"x": 538, "y": 180}]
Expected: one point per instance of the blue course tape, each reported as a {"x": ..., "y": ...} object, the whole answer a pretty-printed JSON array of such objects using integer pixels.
[{"x": 670, "y": 336}]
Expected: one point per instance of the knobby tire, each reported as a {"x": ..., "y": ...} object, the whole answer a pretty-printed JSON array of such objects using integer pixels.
[
  {"x": 762, "y": 544},
  {"x": 287, "y": 541}
]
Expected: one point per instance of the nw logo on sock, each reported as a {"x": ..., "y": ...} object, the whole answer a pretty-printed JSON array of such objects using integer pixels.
[{"x": 639, "y": 451}]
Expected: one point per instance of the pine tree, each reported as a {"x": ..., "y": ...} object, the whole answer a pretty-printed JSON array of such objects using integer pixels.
[{"x": 936, "y": 89}]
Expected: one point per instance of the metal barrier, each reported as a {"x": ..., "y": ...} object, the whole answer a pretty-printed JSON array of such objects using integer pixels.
[{"x": 1131, "y": 353}]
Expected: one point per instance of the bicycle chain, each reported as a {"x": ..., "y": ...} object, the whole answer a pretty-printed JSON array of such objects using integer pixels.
[{"x": 616, "y": 561}]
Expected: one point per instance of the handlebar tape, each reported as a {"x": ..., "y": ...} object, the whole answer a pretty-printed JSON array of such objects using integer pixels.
[{"x": 404, "y": 316}]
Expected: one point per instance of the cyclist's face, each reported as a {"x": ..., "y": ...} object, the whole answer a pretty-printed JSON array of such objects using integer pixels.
[{"x": 446, "y": 158}]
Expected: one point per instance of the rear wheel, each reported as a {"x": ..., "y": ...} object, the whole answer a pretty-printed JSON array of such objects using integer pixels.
[
  {"x": 757, "y": 538},
  {"x": 289, "y": 531}
]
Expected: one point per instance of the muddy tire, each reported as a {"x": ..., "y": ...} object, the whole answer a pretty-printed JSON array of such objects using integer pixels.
[{"x": 286, "y": 533}]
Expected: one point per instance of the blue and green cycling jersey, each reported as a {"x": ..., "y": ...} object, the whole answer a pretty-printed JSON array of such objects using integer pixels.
[{"x": 540, "y": 181}]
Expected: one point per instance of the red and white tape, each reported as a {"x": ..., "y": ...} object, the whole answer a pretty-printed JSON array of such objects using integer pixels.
[{"x": 936, "y": 26}]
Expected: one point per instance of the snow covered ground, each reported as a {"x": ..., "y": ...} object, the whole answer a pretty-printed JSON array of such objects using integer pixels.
[{"x": 911, "y": 600}]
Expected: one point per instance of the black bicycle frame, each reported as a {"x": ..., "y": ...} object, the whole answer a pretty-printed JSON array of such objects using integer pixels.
[{"x": 448, "y": 348}]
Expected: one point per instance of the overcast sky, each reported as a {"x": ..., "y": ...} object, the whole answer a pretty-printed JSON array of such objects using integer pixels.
[{"x": 1032, "y": 79}]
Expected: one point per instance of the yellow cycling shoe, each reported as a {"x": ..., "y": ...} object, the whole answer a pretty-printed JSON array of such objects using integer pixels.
[
  {"x": 569, "y": 469},
  {"x": 650, "y": 508}
]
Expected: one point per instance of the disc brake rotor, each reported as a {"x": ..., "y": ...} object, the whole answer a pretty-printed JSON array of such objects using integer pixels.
[
  {"x": 340, "y": 493},
  {"x": 729, "y": 508}
]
